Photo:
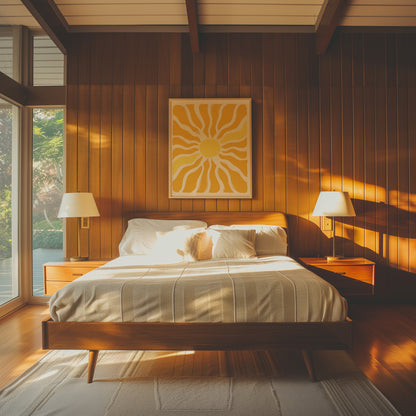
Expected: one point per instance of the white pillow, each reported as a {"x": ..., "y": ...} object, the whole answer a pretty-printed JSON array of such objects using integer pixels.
[
  {"x": 178, "y": 245},
  {"x": 140, "y": 236},
  {"x": 271, "y": 240},
  {"x": 219, "y": 227},
  {"x": 235, "y": 244}
]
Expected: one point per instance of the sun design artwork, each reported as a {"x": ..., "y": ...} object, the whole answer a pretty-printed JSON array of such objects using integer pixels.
[{"x": 210, "y": 148}]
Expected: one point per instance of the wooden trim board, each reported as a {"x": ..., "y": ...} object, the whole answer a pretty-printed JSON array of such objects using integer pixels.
[
  {"x": 195, "y": 336},
  {"x": 95, "y": 336},
  {"x": 216, "y": 217}
]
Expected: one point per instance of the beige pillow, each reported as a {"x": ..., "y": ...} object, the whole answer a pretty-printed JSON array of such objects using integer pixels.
[
  {"x": 234, "y": 244},
  {"x": 194, "y": 245},
  {"x": 205, "y": 246},
  {"x": 271, "y": 240}
]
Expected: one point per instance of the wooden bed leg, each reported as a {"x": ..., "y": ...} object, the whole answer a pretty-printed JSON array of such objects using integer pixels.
[
  {"x": 307, "y": 358},
  {"x": 92, "y": 361}
]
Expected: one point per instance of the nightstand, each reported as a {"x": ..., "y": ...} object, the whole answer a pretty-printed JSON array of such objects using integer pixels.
[
  {"x": 350, "y": 275},
  {"x": 58, "y": 274}
]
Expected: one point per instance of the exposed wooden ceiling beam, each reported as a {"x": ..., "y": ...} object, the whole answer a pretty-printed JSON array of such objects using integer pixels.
[
  {"x": 329, "y": 17},
  {"x": 45, "y": 96},
  {"x": 12, "y": 90},
  {"x": 51, "y": 20},
  {"x": 30, "y": 96},
  {"x": 193, "y": 24}
]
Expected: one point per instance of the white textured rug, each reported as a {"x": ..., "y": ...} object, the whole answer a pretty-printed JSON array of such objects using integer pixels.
[{"x": 56, "y": 385}]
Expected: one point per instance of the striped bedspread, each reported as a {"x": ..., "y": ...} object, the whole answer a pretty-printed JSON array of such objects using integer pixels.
[{"x": 136, "y": 289}]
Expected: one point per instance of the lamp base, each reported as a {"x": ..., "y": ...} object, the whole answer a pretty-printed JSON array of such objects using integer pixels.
[
  {"x": 334, "y": 258},
  {"x": 78, "y": 258}
]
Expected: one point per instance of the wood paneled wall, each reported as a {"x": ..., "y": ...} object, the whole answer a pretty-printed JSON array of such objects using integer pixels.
[{"x": 342, "y": 121}]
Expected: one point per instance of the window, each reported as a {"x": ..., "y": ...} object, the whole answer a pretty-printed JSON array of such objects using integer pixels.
[
  {"x": 47, "y": 241},
  {"x": 6, "y": 51},
  {"x": 16, "y": 283},
  {"x": 9, "y": 139},
  {"x": 48, "y": 62}
]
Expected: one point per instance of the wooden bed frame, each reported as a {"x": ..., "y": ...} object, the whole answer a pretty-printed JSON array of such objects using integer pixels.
[{"x": 96, "y": 336}]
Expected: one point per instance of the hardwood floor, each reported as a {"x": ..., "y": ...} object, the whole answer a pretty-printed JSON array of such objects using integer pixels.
[
  {"x": 21, "y": 341},
  {"x": 384, "y": 348}
]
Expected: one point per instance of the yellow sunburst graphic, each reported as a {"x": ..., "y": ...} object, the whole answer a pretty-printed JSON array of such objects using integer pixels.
[{"x": 210, "y": 148}]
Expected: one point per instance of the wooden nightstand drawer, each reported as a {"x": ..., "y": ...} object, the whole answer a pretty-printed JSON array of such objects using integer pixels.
[
  {"x": 362, "y": 273},
  {"x": 351, "y": 276},
  {"x": 57, "y": 275},
  {"x": 52, "y": 287},
  {"x": 65, "y": 274}
]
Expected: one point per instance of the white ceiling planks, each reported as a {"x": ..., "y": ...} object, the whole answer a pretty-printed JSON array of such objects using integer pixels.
[
  {"x": 173, "y": 12},
  {"x": 133, "y": 12},
  {"x": 380, "y": 13},
  {"x": 85, "y": 14},
  {"x": 261, "y": 12},
  {"x": 48, "y": 62},
  {"x": 13, "y": 12},
  {"x": 6, "y": 55}
]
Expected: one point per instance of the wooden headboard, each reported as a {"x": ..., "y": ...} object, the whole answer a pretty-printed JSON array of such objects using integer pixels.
[{"x": 215, "y": 217}]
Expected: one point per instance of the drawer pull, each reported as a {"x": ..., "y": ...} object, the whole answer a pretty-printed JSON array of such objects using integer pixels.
[
  {"x": 76, "y": 274},
  {"x": 342, "y": 273}
]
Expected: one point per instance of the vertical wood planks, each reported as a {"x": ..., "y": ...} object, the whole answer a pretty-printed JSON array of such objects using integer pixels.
[
  {"x": 412, "y": 157},
  {"x": 371, "y": 63},
  {"x": 339, "y": 121},
  {"x": 128, "y": 126},
  {"x": 234, "y": 65},
  {"x": 210, "y": 87},
  {"x": 187, "y": 90},
  {"x": 151, "y": 72},
  {"x": 268, "y": 124},
  {"x": 83, "y": 131},
  {"x": 117, "y": 145},
  {"x": 279, "y": 99},
  {"x": 94, "y": 165},
  {"x": 163, "y": 116},
  {"x": 139, "y": 127},
  {"x": 221, "y": 61},
  {"x": 358, "y": 143},
  {"x": 106, "y": 145},
  {"x": 71, "y": 165},
  {"x": 381, "y": 154},
  {"x": 347, "y": 134},
  {"x": 404, "y": 68},
  {"x": 175, "y": 53},
  {"x": 246, "y": 47},
  {"x": 256, "y": 53},
  {"x": 392, "y": 150},
  {"x": 198, "y": 88}
]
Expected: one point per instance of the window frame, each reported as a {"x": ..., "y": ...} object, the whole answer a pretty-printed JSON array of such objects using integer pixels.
[
  {"x": 16, "y": 93},
  {"x": 18, "y": 300},
  {"x": 40, "y": 299}
]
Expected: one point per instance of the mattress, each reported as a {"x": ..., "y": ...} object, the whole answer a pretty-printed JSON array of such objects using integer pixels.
[{"x": 138, "y": 289}]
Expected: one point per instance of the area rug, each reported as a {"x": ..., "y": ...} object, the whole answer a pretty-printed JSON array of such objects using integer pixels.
[{"x": 56, "y": 385}]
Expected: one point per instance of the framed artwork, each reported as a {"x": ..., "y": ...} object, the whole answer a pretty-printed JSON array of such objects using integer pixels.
[{"x": 210, "y": 148}]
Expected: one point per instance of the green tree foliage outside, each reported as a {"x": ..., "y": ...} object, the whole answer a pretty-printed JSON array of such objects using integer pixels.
[
  {"x": 5, "y": 180},
  {"x": 48, "y": 149},
  {"x": 47, "y": 178}
]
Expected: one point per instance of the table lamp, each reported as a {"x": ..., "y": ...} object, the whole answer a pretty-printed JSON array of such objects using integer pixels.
[
  {"x": 333, "y": 204},
  {"x": 78, "y": 205}
]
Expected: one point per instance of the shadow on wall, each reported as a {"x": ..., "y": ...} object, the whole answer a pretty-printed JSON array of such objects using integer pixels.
[{"x": 385, "y": 221}]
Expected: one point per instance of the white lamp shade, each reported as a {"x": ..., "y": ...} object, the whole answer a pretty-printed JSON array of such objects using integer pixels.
[
  {"x": 333, "y": 204},
  {"x": 78, "y": 205}
]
